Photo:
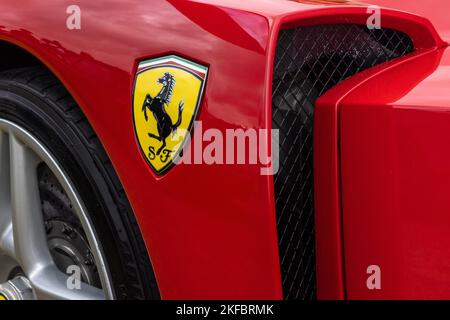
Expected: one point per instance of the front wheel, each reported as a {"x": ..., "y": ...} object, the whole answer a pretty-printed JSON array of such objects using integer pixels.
[{"x": 67, "y": 230}]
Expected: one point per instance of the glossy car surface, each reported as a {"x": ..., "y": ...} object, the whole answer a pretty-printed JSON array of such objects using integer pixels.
[{"x": 210, "y": 230}]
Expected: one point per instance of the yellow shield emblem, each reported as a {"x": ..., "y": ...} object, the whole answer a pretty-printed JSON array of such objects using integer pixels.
[{"x": 166, "y": 100}]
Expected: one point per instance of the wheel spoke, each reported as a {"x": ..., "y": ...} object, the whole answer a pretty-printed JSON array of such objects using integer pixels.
[
  {"x": 6, "y": 236},
  {"x": 7, "y": 264},
  {"x": 50, "y": 283},
  {"x": 30, "y": 241},
  {"x": 7, "y": 241}
]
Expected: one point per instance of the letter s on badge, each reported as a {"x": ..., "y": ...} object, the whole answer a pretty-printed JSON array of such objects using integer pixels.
[{"x": 166, "y": 101}]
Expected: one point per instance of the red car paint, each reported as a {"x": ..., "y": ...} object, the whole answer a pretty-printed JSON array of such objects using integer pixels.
[
  {"x": 210, "y": 230},
  {"x": 329, "y": 112},
  {"x": 395, "y": 187}
]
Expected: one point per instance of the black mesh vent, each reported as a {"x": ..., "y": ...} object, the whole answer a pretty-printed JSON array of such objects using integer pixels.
[{"x": 309, "y": 61}]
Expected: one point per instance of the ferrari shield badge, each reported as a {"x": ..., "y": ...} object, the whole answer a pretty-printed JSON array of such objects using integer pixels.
[{"x": 167, "y": 96}]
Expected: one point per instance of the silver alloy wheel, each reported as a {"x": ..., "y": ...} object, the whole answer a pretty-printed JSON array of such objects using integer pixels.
[{"x": 23, "y": 240}]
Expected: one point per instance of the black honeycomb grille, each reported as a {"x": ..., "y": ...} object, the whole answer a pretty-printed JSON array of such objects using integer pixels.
[{"x": 309, "y": 61}]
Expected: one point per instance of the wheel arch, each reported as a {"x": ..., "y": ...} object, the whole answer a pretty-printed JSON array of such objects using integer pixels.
[{"x": 19, "y": 55}]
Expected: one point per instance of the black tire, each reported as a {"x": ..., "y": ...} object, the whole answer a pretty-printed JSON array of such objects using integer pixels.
[{"x": 35, "y": 99}]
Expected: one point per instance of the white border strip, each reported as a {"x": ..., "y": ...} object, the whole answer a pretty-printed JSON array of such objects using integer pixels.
[{"x": 180, "y": 61}]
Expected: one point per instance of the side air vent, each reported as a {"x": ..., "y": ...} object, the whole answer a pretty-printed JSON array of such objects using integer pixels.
[{"x": 309, "y": 61}]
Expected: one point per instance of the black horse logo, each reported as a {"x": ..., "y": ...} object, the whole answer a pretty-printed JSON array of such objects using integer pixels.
[{"x": 157, "y": 106}]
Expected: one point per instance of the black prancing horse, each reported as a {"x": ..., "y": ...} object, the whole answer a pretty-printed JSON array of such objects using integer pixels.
[{"x": 157, "y": 106}]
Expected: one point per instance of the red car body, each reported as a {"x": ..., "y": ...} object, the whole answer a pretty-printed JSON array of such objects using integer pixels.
[{"x": 382, "y": 142}]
